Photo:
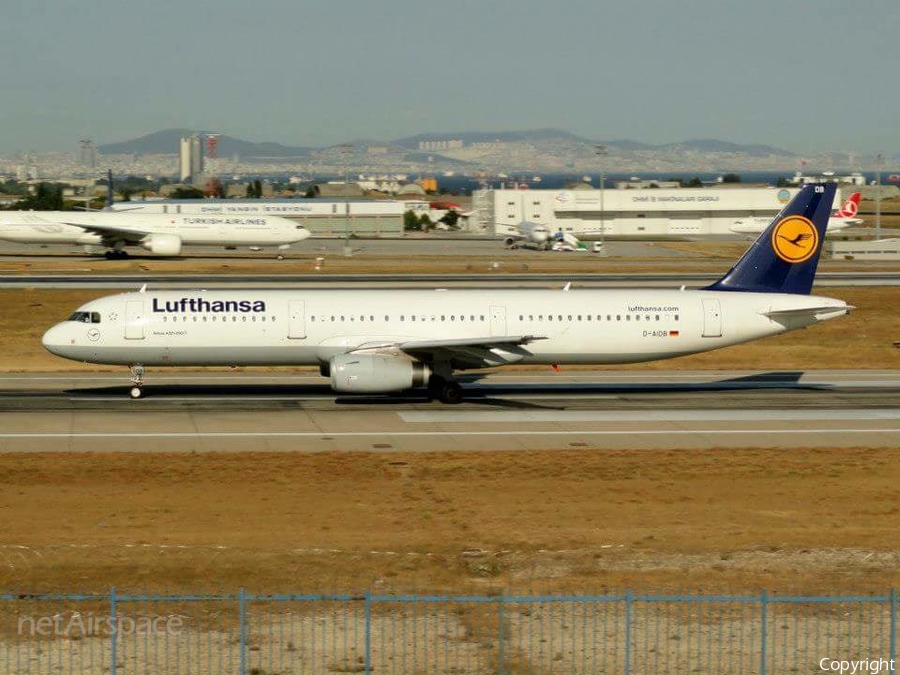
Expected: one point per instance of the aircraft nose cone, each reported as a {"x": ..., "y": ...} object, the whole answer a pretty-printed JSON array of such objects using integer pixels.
[{"x": 55, "y": 340}]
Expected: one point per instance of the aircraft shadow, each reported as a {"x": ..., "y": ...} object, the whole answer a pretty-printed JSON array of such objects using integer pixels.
[{"x": 477, "y": 392}]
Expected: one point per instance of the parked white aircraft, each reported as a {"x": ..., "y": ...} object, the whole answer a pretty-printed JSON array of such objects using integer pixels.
[
  {"x": 161, "y": 234},
  {"x": 371, "y": 341},
  {"x": 533, "y": 235},
  {"x": 841, "y": 218}
]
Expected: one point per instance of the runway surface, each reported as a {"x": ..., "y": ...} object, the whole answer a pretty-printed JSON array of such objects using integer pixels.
[
  {"x": 600, "y": 280},
  {"x": 241, "y": 412}
]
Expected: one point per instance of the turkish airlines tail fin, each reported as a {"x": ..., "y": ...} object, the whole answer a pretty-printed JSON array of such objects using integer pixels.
[{"x": 850, "y": 208}]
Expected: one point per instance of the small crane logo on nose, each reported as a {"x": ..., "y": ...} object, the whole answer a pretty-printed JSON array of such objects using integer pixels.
[{"x": 93, "y": 334}]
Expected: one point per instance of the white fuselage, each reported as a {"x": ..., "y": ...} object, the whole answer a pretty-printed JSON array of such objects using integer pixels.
[
  {"x": 72, "y": 227},
  {"x": 308, "y": 327},
  {"x": 756, "y": 225}
]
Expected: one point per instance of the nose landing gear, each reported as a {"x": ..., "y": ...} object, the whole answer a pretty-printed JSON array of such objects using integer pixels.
[{"x": 137, "y": 380}]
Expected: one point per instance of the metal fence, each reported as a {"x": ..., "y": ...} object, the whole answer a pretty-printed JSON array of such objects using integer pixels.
[{"x": 627, "y": 633}]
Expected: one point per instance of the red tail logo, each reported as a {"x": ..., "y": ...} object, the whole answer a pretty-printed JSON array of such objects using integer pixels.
[{"x": 850, "y": 208}]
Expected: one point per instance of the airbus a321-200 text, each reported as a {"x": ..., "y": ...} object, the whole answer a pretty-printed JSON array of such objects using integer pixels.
[{"x": 392, "y": 340}]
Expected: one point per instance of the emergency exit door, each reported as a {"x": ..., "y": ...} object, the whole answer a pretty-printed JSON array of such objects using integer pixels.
[
  {"x": 297, "y": 320},
  {"x": 498, "y": 321}
]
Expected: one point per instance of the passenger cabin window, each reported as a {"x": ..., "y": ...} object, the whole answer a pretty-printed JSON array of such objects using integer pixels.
[{"x": 86, "y": 317}]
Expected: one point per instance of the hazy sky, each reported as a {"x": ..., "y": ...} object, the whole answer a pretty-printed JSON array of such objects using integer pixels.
[{"x": 807, "y": 76}]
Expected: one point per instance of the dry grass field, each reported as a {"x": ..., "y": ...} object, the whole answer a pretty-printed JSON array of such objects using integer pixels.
[
  {"x": 862, "y": 340},
  {"x": 554, "y": 520}
]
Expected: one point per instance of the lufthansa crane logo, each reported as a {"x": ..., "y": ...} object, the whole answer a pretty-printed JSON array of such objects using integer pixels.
[{"x": 795, "y": 239}]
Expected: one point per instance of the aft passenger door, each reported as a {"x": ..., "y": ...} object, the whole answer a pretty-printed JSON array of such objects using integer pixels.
[
  {"x": 134, "y": 320},
  {"x": 498, "y": 321},
  {"x": 712, "y": 317},
  {"x": 297, "y": 320}
]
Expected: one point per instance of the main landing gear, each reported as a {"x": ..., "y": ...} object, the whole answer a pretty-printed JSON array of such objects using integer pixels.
[
  {"x": 444, "y": 390},
  {"x": 116, "y": 254},
  {"x": 137, "y": 381}
]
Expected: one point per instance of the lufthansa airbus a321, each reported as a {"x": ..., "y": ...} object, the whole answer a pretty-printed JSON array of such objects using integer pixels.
[{"x": 389, "y": 340}]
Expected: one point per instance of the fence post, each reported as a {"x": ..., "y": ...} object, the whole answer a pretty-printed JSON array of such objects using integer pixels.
[
  {"x": 368, "y": 636},
  {"x": 893, "y": 627},
  {"x": 113, "y": 632},
  {"x": 500, "y": 634},
  {"x": 764, "y": 602},
  {"x": 628, "y": 601},
  {"x": 242, "y": 635}
]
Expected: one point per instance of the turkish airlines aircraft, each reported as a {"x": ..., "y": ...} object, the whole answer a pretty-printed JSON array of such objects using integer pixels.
[
  {"x": 843, "y": 217},
  {"x": 161, "y": 234},
  {"x": 387, "y": 340}
]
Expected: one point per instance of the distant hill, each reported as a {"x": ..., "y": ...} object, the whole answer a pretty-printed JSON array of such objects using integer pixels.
[
  {"x": 167, "y": 142},
  {"x": 713, "y": 145}
]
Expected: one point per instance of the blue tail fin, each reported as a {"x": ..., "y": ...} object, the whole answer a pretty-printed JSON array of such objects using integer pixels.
[{"x": 785, "y": 257}]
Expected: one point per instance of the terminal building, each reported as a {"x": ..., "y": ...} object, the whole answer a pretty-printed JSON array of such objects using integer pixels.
[
  {"x": 628, "y": 213},
  {"x": 321, "y": 217}
]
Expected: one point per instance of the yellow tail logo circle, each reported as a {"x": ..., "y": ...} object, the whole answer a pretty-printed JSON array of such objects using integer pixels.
[{"x": 795, "y": 239}]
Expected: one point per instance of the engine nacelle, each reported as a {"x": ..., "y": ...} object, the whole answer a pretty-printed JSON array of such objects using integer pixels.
[
  {"x": 375, "y": 373},
  {"x": 162, "y": 244}
]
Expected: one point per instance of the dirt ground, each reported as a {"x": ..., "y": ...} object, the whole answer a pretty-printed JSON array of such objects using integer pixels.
[
  {"x": 554, "y": 520},
  {"x": 864, "y": 339}
]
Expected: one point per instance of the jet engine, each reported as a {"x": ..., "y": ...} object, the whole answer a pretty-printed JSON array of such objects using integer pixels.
[
  {"x": 162, "y": 244},
  {"x": 375, "y": 373}
]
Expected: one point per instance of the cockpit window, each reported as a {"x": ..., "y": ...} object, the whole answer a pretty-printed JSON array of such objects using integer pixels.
[{"x": 86, "y": 317}]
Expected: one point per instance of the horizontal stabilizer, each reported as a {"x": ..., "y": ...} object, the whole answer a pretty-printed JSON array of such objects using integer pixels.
[{"x": 807, "y": 314}]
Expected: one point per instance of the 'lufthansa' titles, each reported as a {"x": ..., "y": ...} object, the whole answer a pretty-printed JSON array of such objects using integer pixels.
[{"x": 207, "y": 306}]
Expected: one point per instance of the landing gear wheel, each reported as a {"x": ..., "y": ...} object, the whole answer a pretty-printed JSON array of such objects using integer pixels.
[
  {"x": 136, "y": 392},
  {"x": 451, "y": 393}
]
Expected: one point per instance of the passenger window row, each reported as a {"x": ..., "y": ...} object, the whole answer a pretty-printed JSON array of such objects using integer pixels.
[
  {"x": 593, "y": 317},
  {"x": 227, "y": 318}
]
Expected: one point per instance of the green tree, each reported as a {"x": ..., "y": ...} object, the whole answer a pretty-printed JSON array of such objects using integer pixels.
[
  {"x": 47, "y": 197},
  {"x": 411, "y": 221},
  {"x": 451, "y": 218},
  {"x": 694, "y": 182},
  {"x": 782, "y": 182},
  {"x": 731, "y": 178},
  {"x": 187, "y": 192}
]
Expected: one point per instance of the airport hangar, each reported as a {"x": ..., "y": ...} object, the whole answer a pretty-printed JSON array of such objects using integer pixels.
[
  {"x": 323, "y": 218},
  {"x": 629, "y": 213}
]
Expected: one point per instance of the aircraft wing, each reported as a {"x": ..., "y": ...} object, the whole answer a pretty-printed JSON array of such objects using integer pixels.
[
  {"x": 129, "y": 234},
  {"x": 463, "y": 353}
]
